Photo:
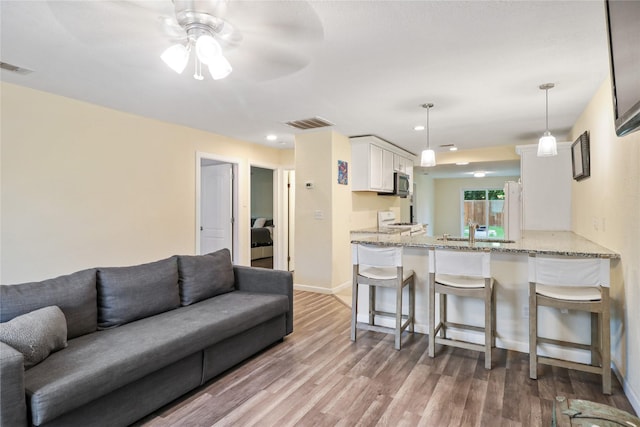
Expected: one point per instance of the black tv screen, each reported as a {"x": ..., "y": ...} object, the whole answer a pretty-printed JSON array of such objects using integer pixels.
[{"x": 623, "y": 28}]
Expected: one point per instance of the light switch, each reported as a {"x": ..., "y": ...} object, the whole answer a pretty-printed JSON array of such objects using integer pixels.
[{"x": 318, "y": 214}]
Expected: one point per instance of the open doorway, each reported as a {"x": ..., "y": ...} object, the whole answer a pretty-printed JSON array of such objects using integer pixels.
[
  {"x": 262, "y": 216},
  {"x": 216, "y": 204}
]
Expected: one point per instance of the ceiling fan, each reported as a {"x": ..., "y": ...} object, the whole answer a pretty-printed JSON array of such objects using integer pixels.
[
  {"x": 261, "y": 40},
  {"x": 203, "y": 24},
  {"x": 202, "y": 27}
]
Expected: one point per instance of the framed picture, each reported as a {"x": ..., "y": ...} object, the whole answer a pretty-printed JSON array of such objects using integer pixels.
[
  {"x": 343, "y": 172},
  {"x": 580, "y": 157}
]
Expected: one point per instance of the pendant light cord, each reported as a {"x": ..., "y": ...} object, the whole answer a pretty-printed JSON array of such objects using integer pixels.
[
  {"x": 546, "y": 92},
  {"x": 428, "y": 146}
]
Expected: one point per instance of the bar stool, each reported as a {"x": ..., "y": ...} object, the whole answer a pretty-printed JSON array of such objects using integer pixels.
[
  {"x": 464, "y": 274},
  {"x": 572, "y": 284},
  {"x": 381, "y": 266}
]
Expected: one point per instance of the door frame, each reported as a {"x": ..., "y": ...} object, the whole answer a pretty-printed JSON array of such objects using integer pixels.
[
  {"x": 234, "y": 162},
  {"x": 280, "y": 246}
]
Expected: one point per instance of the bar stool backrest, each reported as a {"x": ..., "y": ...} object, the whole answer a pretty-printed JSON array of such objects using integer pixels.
[
  {"x": 565, "y": 271},
  {"x": 460, "y": 263},
  {"x": 376, "y": 256}
]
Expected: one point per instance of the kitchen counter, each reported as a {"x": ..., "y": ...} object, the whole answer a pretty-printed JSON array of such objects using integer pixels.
[
  {"x": 509, "y": 268},
  {"x": 539, "y": 242},
  {"x": 380, "y": 230}
]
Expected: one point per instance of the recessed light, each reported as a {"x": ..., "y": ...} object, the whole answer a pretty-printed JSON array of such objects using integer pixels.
[
  {"x": 418, "y": 127},
  {"x": 462, "y": 163},
  {"x": 453, "y": 148},
  {"x": 272, "y": 137},
  {"x": 479, "y": 174}
]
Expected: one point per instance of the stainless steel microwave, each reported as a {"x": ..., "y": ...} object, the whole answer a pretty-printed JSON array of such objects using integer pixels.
[{"x": 401, "y": 184}]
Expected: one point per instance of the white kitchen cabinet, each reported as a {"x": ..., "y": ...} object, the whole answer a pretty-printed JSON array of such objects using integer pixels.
[
  {"x": 373, "y": 162},
  {"x": 371, "y": 167}
]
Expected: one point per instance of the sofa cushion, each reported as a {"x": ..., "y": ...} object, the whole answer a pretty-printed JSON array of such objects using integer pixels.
[
  {"x": 205, "y": 276},
  {"x": 126, "y": 294},
  {"x": 74, "y": 294},
  {"x": 96, "y": 364},
  {"x": 36, "y": 334}
]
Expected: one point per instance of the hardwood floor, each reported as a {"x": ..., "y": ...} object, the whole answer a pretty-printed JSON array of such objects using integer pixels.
[{"x": 318, "y": 377}]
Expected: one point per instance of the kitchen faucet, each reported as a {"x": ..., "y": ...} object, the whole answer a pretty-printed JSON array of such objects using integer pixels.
[{"x": 472, "y": 232}]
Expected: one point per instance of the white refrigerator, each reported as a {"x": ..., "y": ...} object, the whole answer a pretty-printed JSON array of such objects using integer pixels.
[{"x": 512, "y": 210}]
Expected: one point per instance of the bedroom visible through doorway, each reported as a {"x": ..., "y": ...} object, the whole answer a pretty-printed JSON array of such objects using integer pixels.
[{"x": 262, "y": 226}]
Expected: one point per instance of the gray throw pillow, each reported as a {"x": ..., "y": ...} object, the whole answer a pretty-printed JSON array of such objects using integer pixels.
[
  {"x": 36, "y": 334},
  {"x": 75, "y": 294},
  {"x": 126, "y": 294},
  {"x": 205, "y": 276}
]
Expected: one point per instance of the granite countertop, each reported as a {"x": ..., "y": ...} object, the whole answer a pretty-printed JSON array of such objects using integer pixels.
[
  {"x": 539, "y": 242},
  {"x": 381, "y": 230}
]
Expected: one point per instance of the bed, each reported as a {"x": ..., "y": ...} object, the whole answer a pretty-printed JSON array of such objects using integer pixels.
[{"x": 261, "y": 238}]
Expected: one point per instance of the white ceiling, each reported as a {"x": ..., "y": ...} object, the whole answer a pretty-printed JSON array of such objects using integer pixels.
[{"x": 366, "y": 66}]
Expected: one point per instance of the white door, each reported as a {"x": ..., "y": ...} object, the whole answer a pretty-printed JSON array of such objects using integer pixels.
[
  {"x": 216, "y": 208},
  {"x": 291, "y": 226}
]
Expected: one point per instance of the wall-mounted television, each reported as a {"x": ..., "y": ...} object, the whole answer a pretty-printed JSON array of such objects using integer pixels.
[{"x": 623, "y": 30}]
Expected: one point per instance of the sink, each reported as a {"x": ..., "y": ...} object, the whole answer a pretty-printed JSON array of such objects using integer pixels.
[{"x": 466, "y": 239}]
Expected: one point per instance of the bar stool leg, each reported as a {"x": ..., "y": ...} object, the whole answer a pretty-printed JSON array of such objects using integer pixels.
[
  {"x": 372, "y": 304},
  {"x": 432, "y": 314},
  {"x": 354, "y": 303},
  {"x": 412, "y": 304},
  {"x": 443, "y": 315},
  {"x": 533, "y": 332},
  {"x": 493, "y": 309},
  {"x": 398, "y": 332},
  {"x": 605, "y": 339},
  {"x": 488, "y": 323}
]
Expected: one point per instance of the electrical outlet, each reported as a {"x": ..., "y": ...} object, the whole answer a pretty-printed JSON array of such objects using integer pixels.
[
  {"x": 564, "y": 310},
  {"x": 525, "y": 311}
]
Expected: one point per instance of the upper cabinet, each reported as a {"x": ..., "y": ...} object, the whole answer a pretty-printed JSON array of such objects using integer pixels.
[{"x": 373, "y": 162}]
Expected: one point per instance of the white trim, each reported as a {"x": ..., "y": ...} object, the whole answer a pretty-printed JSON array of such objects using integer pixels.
[
  {"x": 279, "y": 247},
  {"x": 631, "y": 394},
  {"x": 316, "y": 289},
  {"x": 235, "y": 162},
  {"x": 534, "y": 147}
]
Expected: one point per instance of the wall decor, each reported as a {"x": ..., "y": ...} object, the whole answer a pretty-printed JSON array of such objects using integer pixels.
[
  {"x": 580, "y": 158},
  {"x": 343, "y": 172}
]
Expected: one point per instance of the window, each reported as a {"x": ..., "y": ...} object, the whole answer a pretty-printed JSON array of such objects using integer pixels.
[{"x": 483, "y": 207}]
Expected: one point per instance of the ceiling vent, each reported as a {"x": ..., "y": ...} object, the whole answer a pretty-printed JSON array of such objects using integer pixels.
[
  {"x": 312, "y": 123},
  {"x": 14, "y": 68},
  {"x": 447, "y": 145}
]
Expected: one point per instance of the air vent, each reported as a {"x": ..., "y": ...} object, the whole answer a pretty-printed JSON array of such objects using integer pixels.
[
  {"x": 312, "y": 123},
  {"x": 14, "y": 68},
  {"x": 447, "y": 145}
]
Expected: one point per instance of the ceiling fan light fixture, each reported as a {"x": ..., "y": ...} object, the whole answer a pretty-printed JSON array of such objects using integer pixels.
[
  {"x": 207, "y": 49},
  {"x": 176, "y": 57},
  {"x": 219, "y": 68}
]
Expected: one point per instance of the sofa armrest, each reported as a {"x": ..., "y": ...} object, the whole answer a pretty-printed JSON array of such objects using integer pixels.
[
  {"x": 251, "y": 279},
  {"x": 13, "y": 407}
]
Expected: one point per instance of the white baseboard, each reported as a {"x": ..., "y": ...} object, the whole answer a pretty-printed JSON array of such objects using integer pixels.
[
  {"x": 631, "y": 394},
  {"x": 320, "y": 290}
]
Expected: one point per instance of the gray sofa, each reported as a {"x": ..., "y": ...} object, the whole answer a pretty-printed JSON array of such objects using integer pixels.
[{"x": 132, "y": 339}]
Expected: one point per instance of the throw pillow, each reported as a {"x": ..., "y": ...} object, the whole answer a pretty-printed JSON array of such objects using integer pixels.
[
  {"x": 259, "y": 222},
  {"x": 36, "y": 334},
  {"x": 126, "y": 294},
  {"x": 205, "y": 276},
  {"x": 75, "y": 294}
]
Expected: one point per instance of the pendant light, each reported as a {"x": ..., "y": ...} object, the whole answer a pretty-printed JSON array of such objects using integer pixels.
[
  {"x": 428, "y": 158},
  {"x": 547, "y": 143}
]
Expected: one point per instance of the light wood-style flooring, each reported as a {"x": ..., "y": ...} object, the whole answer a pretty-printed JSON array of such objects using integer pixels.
[{"x": 318, "y": 377}]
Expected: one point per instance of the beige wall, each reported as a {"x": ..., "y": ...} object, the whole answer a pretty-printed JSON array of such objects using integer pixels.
[
  {"x": 447, "y": 195},
  {"x": 605, "y": 209},
  {"x": 84, "y": 185},
  {"x": 322, "y": 212},
  {"x": 366, "y": 205},
  {"x": 424, "y": 200}
]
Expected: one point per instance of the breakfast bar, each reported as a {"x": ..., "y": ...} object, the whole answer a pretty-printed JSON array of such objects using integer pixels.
[{"x": 509, "y": 266}]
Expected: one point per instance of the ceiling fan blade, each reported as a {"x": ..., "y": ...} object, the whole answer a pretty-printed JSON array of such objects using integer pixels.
[{"x": 264, "y": 61}]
